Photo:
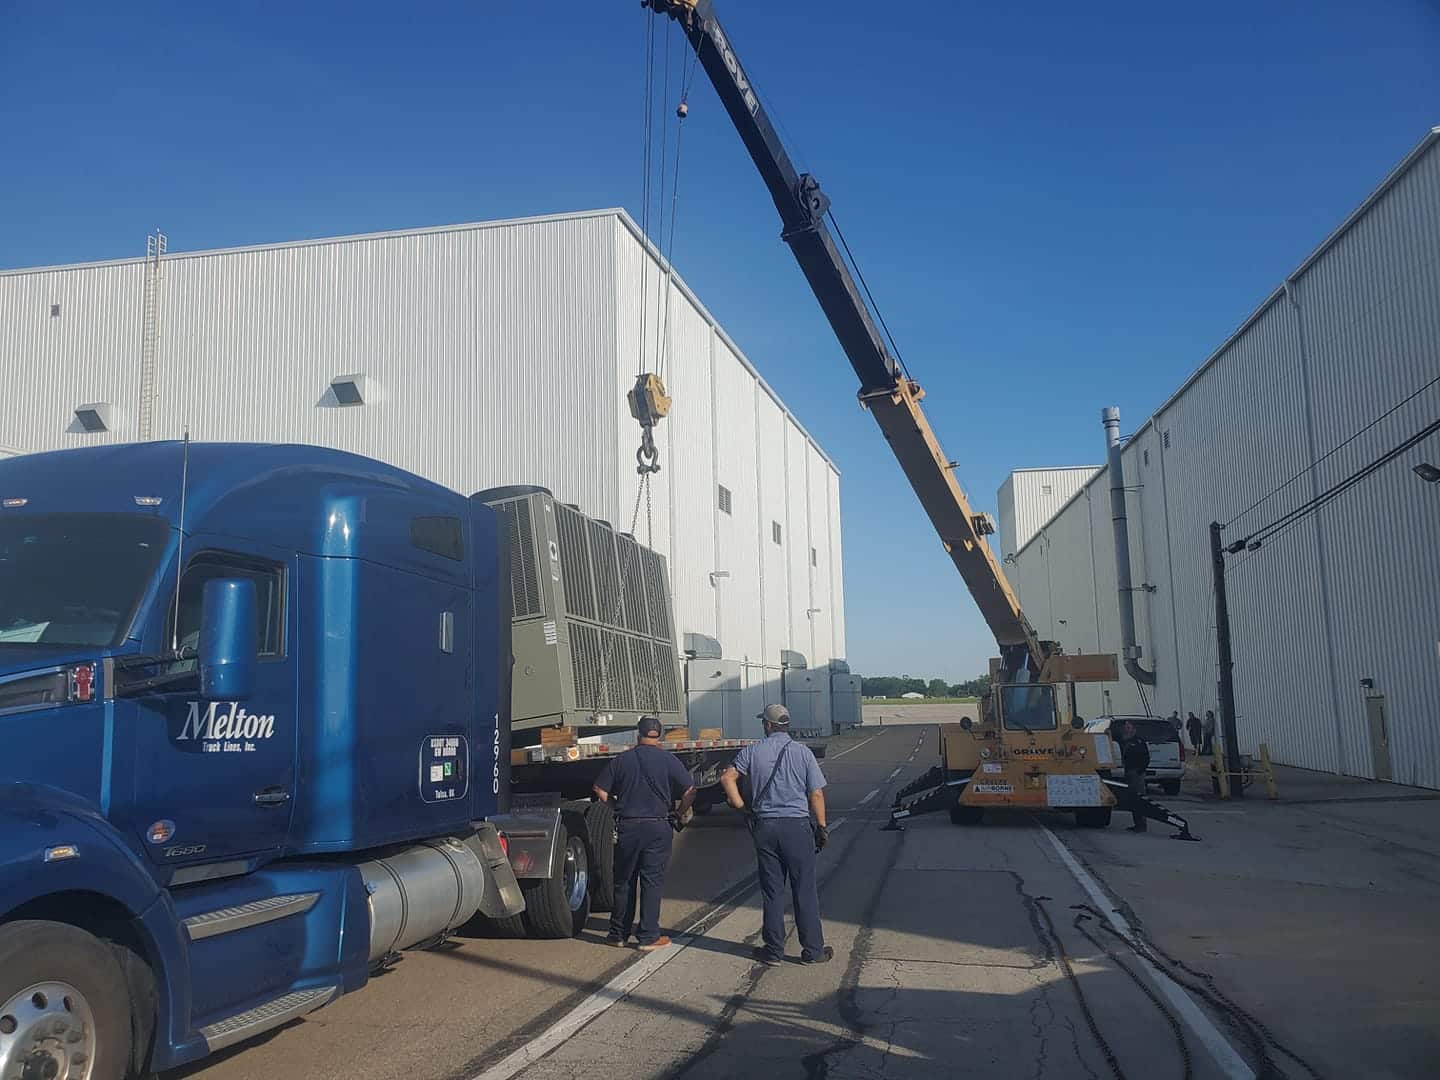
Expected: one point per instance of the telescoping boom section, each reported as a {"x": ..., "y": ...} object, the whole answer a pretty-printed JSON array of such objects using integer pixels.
[{"x": 892, "y": 398}]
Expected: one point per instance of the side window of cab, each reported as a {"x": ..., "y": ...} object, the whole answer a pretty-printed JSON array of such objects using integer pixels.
[{"x": 269, "y": 579}]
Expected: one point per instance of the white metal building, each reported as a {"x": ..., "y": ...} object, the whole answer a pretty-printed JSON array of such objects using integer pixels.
[
  {"x": 485, "y": 354},
  {"x": 1336, "y": 619},
  {"x": 1030, "y": 497}
]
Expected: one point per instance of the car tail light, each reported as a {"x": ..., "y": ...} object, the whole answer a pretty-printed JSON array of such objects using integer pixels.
[
  {"x": 504, "y": 843},
  {"x": 1182, "y": 753}
]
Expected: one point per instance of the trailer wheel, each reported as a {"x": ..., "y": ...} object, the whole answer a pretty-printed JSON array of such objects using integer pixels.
[
  {"x": 966, "y": 815},
  {"x": 64, "y": 1004},
  {"x": 600, "y": 834},
  {"x": 1093, "y": 817},
  {"x": 558, "y": 906},
  {"x": 1170, "y": 787}
]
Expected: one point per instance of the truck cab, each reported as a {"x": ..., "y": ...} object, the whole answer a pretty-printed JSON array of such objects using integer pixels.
[{"x": 254, "y": 701}]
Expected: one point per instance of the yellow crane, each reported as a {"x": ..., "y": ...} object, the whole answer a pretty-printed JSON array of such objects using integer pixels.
[{"x": 1028, "y": 748}]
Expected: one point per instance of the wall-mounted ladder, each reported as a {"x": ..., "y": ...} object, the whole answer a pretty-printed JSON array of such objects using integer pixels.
[{"x": 155, "y": 248}]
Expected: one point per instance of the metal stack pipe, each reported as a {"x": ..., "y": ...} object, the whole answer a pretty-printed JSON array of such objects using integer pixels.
[{"x": 1110, "y": 418}]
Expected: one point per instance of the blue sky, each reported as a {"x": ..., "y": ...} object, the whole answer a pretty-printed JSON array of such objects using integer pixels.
[{"x": 1059, "y": 207}]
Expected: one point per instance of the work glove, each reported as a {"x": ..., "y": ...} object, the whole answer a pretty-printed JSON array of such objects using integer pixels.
[{"x": 822, "y": 837}]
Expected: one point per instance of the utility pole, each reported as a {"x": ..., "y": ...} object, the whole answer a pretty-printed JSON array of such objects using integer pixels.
[{"x": 1227, "y": 681}]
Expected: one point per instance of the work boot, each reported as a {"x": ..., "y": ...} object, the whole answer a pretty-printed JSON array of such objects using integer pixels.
[
  {"x": 765, "y": 956},
  {"x": 659, "y": 943},
  {"x": 824, "y": 958},
  {"x": 1136, "y": 828}
]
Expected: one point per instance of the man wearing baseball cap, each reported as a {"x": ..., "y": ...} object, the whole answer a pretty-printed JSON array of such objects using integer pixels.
[
  {"x": 786, "y": 787},
  {"x": 645, "y": 782}
]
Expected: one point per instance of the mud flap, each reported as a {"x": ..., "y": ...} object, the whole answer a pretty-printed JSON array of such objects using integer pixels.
[{"x": 505, "y": 898}]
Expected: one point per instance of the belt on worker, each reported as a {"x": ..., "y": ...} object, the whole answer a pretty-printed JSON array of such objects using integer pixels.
[{"x": 644, "y": 819}]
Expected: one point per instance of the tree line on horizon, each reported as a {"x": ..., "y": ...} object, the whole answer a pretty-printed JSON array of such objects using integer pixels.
[{"x": 893, "y": 686}]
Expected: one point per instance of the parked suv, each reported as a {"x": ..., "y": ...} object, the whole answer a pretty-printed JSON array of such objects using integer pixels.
[{"x": 1167, "y": 751}]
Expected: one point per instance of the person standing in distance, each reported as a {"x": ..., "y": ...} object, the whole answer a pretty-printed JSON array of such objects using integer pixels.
[
  {"x": 645, "y": 782},
  {"x": 1135, "y": 757},
  {"x": 788, "y": 787}
]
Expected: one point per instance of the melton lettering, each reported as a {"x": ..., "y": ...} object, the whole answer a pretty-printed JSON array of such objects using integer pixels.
[{"x": 218, "y": 723}]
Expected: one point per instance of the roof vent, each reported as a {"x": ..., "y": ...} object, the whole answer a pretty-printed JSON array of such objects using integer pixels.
[
  {"x": 349, "y": 389},
  {"x": 96, "y": 416}
]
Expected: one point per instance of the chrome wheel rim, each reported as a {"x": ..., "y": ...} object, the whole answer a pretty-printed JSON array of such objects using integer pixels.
[
  {"x": 577, "y": 873},
  {"x": 47, "y": 1032}
]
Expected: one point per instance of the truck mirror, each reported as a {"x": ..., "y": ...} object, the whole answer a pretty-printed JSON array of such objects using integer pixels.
[{"x": 229, "y": 640}]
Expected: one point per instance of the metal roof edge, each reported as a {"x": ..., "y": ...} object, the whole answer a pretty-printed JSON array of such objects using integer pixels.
[
  {"x": 1083, "y": 489},
  {"x": 1418, "y": 151},
  {"x": 1393, "y": 177},
  {"x": 320, "y": 241},
  {"x": 714, "y": 323},
  {"x": 1055, "y": 468}
]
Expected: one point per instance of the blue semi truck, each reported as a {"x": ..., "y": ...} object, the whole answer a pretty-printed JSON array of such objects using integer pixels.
[{"x": 255, "y": 712}]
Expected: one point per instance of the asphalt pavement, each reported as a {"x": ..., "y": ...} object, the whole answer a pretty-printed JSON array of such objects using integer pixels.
[{"x": 1024, "y": 947}]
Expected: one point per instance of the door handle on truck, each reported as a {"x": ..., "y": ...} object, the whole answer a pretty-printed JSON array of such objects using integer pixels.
[{"x": 272, "y": 796}]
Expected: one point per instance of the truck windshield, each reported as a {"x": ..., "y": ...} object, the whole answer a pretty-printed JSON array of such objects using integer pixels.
[
  {"x": 74, "y": 579},
  {"x": 1028, "y": 707}
]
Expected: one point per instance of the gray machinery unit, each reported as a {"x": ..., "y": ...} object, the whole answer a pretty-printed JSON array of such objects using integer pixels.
[
  {"x": 713, "y": 691},
  {"x": 844, "y": 697},
  {"x": 806, "y": 693},
  {"x": 592, "y": 632}
]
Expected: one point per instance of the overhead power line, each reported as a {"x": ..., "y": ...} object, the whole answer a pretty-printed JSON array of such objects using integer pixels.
[
  {"x": 1334, "y": 450},
  {"x": 1304, "y": 510}
]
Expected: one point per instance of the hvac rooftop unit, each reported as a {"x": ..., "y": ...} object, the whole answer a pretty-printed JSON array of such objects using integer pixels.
[{"x": 591, "y": 630}]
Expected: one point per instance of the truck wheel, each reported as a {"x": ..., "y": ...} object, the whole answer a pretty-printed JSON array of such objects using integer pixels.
[
  {"x": 1093, "y": 817},
  {"x": 558, "y": 906},
  {"x": 1171, "y": 787},
  {"x": 600, "y": 834},
  {"x": 966, "y": 815},
  {"x": 64, "y": 1005}
]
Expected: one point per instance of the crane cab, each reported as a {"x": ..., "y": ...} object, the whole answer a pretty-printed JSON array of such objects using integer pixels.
[{"x": 1027, "y": 752}]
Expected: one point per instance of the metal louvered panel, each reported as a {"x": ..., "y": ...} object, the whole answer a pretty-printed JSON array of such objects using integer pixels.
[
  {"x": 669, "y": 689},
  {"x": 656, "y": 594},
  {"x": 585, "y": 664},
  {"x": 637, "y": 615},
  {"x": 642, "y": 662},
  {"x": 607, "y": 578},
  {"x": 575, "y": 566},
  {"x": 618, "y": 688},
  {"x": 524, "y": 578}
]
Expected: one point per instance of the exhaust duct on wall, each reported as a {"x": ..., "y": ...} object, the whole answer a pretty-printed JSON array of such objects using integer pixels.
[{"x": 1110, "y": 418}]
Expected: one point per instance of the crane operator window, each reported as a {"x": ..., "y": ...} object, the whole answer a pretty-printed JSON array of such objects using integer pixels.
[{"x": 1028, "y": 707}]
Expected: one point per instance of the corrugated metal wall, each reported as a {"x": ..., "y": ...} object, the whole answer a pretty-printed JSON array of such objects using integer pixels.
[
  {"x": 1347, "y": 593},
  {"x": 494, "y": 354},
  {"x": 1030, "y": 497}
]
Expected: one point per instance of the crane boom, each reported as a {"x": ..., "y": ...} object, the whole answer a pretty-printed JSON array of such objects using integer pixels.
[{"x": 892, "y": 398}]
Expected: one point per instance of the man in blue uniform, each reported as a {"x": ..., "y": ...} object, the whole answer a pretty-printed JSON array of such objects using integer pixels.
[
  {"x": 787, "y": 787},
  {"x": 645, "y": 783}
]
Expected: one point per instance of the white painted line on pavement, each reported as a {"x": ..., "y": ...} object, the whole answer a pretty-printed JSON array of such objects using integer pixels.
[
  {"x": 850, "y": 749},
  {"x": 1230, "y": 1062},
  {"x": 867, "y": 798},
  {"x": 894, "y": 774},
  {"x": 612, "y": 993}
]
